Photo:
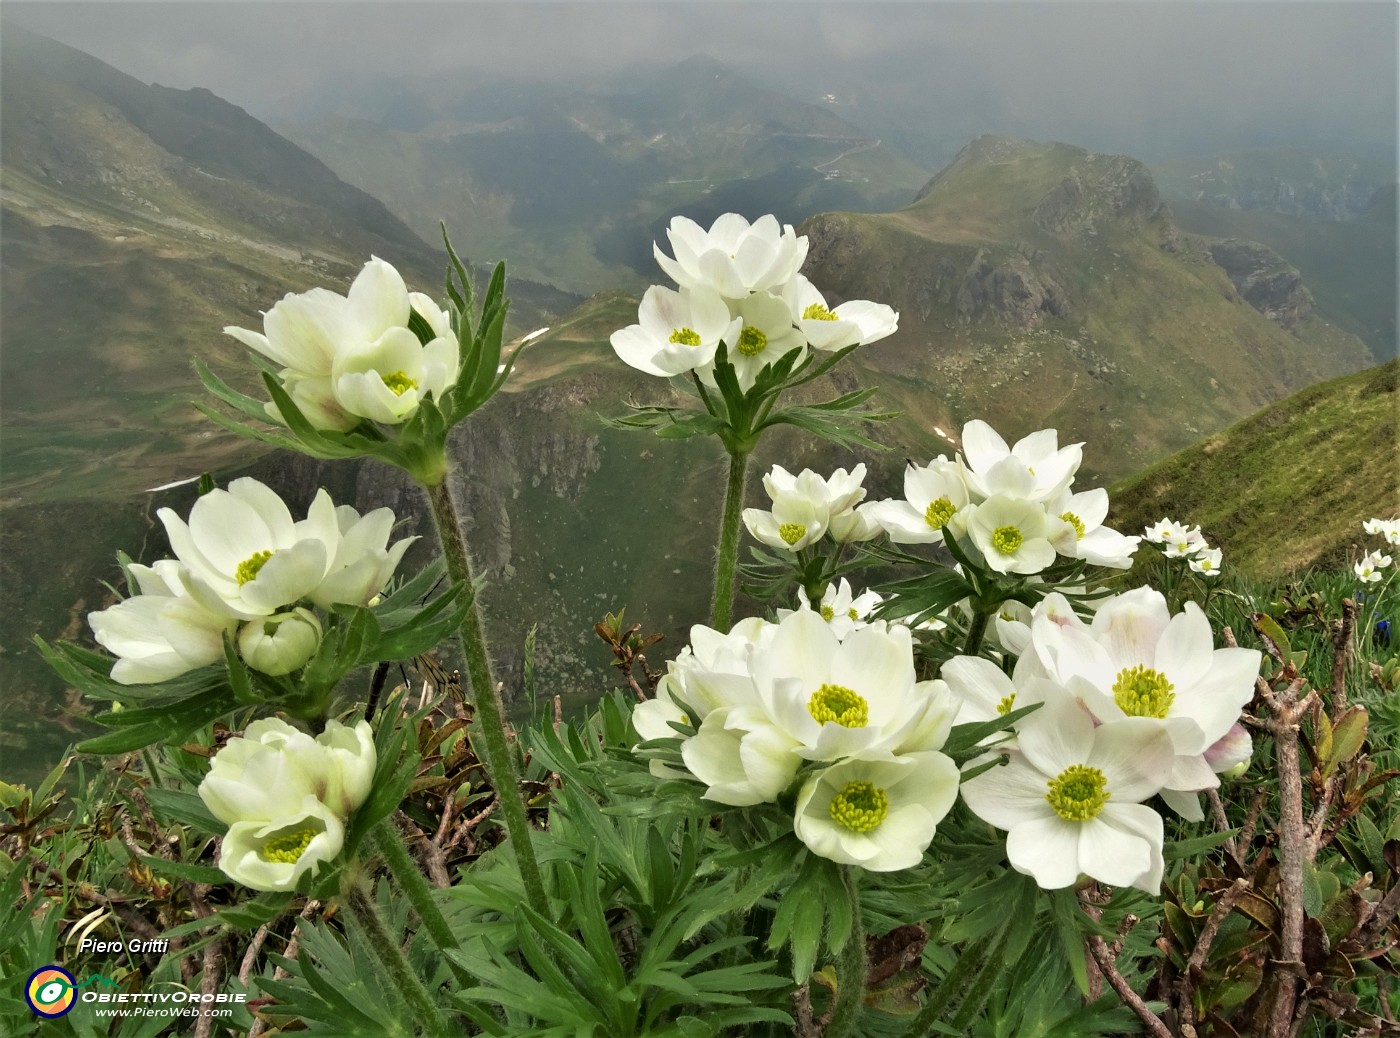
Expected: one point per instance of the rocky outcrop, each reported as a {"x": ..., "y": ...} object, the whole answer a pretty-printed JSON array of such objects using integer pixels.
[
  {"x": 1007, "y": 288},
  {"x": 1098, "y": 189},
  {"x": 1264, "y": 280}
]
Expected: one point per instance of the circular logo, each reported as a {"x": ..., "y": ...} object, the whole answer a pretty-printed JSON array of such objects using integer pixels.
[{"x": 51, "y": 991}]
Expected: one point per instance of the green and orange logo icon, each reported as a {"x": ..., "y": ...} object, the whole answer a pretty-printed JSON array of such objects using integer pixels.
[{"x": 51, "y": 991}]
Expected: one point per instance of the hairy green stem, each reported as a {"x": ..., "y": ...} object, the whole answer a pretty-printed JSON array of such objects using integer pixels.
[
  {"x": 727, "y": 559},
  {"x": 391, "y": 957},
  {"x": 852, "y": 969},
  {"x": 961, "y": 980},
  {"x": 490, "y": 714},
  {"x": 412, "y": 882},
  {"x": 975, "y": 631}
]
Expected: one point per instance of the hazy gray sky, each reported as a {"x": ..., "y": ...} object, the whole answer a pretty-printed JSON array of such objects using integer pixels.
[{"x": 1103, "y": 74}]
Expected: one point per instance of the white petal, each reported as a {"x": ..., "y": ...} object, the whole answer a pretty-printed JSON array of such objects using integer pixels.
[{"x": 1046, "y": 849}]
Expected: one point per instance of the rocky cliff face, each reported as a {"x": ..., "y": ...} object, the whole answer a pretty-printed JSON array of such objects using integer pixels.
[
  {"x": 1264, "y": 280},
  {"x": 1008, "y": 288}
]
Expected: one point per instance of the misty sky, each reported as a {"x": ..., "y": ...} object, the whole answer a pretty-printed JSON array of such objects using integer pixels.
[{"x": 1147, "y": 77}]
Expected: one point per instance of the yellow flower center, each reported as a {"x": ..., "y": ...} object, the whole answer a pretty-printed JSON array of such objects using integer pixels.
[
  {"x": 860, "y": 806},
  {"x": 817, "y": 312},
  {"x": 939, "y": 512},
  {"x": 1077, "y": 523},
  {"x": 288, "y": 847},
  {"x": 838, "y": 704},
  {"x": 1206, "y": 566},
  {"x": 249, "y": 567},
  {"x": 1007, "y": 539},
  {"x": 828, "y": 613},
  {"x": 851, "y": 612},
  {"x": 752, "y": 341},
  {"x": 792, "y": 532},
  {"x": 1143, "y": 692},
  {"x": 1079, "y": 793},
  {"x": 399, "y": 383},
  {"x": 1006, "y": 705},
  {"x": 685, "y": 337}
]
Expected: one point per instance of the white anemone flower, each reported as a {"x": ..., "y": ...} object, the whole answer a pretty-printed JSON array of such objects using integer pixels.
[
  {"x": 386, "y": 380},
  {"x": 174, "y": 625},
  {"x": 1013, "y": 621},
  {"x": 1070, "y": 798},
  {"x": 1368, "y": 570},
  {"x": 1206, "y": 562},
  {"x": 843, "y": 697},
  {"x": 933, "y": 495},
  {"x": 733, "y": 257},
  {"x": 856, "y": 322},
  {"x": 1081, "y": 534},
  {"x": 983, "y": 692},
  {"x": 676, "y": 331},
  {"x": 285, "y": 797},
  {"x": 363, "y": 561},
  {"x": 275, "y": 854},
  {"x": 243, "y": 543},
  {"x": 842, "y": 609},
  {"x": 1163, "y": 530},
  {"x": 265, "y": 773},
  {"x": 878, "y": 814},
  {"x": 766, "y": 337},
  {"x": 333, "y": 349},
  {"x": 855, "y": 524},
  {"x": 1184, "y": 543},
  {"x": 1387, "y": 528},
  {"x": 1013, "y": 534},
  {"x": 281, "y": 643},
  {"x": 1136, "y": 660},
  {"x": 802, "y": 506},
  {"x": 1037, "y": 468},
  {"x": 1230, "y": 754}
]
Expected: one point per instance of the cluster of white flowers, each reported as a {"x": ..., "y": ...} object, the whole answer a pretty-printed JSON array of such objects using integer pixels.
[
  {"x": 1011, "y": 506},
  {"x": 243, "y": 565},
  {"x": 285, "y": 798},
  {"x": 807, "y": 506},
  {"x": 1177, "y": 541},
  {"x": 772, "y": 703},
  {"x": 349, "y": 358},
  {"x": 1135, "y": 703},
  {"x": 1368, "y": 570},
  {"x": 738, "y": 283},
  {"x": 1387, "y": 528}
]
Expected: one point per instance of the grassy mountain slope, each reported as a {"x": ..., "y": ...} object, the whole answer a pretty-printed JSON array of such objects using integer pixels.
[
  {"x": 1042, "y": 285},
  {"x": 1288, "y": 487},
  {"x": 573, "y": 185}
]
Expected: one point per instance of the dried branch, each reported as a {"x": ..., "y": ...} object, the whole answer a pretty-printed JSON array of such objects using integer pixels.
[
  {"x": 1342, "y": 650},
  {"x": 1130, "y": 998}
]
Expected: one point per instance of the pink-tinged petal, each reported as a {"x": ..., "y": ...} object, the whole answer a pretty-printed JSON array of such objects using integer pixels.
[
  {"x": 1135, "y": 755},
  {"x": 1046, "y": 849},
  {"x": 1111, "y": 855}
]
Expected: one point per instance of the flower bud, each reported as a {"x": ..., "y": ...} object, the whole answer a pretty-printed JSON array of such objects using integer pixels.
[
  {"x": 1229, "y": 755},
  {"x": 280, "y": 644}
]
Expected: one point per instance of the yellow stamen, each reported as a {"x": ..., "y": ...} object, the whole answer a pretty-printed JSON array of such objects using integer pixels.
[
  {"x": 1078, "y": 793},
  {"x": 249, "y": 567},
  {"x": 840, "y": 705},
  {"x": 860, "y": 807}
]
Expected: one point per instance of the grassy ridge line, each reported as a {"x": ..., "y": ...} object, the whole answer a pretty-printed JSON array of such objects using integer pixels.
[{"x": 1288, "y": 487}]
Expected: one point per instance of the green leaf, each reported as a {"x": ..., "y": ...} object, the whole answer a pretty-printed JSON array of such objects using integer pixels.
[
  {"x": 183, "y": 870},
  {"x": 1179, "y": 849},
  {"x": 178, "y": 805}
]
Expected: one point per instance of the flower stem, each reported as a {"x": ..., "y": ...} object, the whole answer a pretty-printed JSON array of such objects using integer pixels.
[
  {"x": 976, "y": 630},
  {"x": 852, "y": 969},
  {"x": 490, "y": 714},
  {"x": 727, "y": 560},
  {"x": 412, "y": 882},
  {"x": 391, "y": 956}
]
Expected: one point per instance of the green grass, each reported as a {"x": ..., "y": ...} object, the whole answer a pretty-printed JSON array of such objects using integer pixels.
[{"x": 1289, "y": 487}]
